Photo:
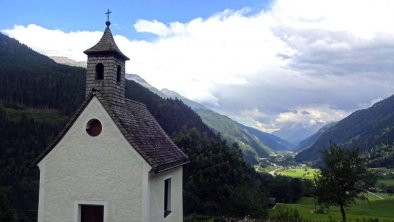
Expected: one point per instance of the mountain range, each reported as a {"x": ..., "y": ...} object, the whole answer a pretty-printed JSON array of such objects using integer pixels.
[
  {"x": 295, "y": 133},
  {"x": 367, "y": 130},
  {"x": 284, "y": 139},
  {"x": 254, "y": 143},
  {"x": 308, "y": 142},
  {"x": 370, "y": 130},
  {"x": 68, "y": 61},
  {"x": 269, "y": 140}
]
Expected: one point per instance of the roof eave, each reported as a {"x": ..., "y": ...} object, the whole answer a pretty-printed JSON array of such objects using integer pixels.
[
  {"x": 91, "y": 51},
  {"x": 161, "y": 169}
]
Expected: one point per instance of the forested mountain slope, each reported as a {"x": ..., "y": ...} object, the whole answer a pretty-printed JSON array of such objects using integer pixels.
[
  {"x": 252, "y": 147},
  {"x": 253, "y": 142},
  {"x": 369, "y": 130},
  {"x": 31, "y": 79},
  {"x": 273, "y": 142},
  {"x": 308, "y": 142}
]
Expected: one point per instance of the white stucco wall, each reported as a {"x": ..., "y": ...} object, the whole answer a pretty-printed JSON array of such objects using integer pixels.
[
  {"x": 102, "y": 169},
  {"x": 156, "y": 186}
]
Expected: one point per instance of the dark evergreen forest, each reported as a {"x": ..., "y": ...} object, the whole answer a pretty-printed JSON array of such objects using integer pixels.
[{"x": 37, "y": 97}]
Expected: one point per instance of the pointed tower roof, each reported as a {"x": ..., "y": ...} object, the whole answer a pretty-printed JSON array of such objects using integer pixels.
[{"x": 106, "y": 44}]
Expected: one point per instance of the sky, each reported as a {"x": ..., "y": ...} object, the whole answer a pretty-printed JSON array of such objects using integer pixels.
[{"x": 271, "y": 64}]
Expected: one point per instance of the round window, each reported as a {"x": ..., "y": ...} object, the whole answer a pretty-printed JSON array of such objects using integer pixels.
[{"x": 93, "y": 127}]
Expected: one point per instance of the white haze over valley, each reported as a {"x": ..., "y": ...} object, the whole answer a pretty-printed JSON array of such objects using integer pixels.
[{"x": 304, "y": 62}]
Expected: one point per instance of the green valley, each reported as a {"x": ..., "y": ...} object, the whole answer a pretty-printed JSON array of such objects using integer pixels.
[
  {"x": 363, "y": 210},
  {"x": 300, "y": 172}
]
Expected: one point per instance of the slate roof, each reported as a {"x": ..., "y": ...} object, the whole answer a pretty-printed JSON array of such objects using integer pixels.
[
  {"x": 140, "y": 129},
  {"x": 106, "y": 44}
]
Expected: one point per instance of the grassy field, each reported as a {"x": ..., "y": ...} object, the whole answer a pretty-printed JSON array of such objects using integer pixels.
[
  {"x": 386, "y": 176},
  {"x": 382, "y": 169},
  {"x": 385, "y": 181},
  {"x": 304, "y": 173},
  {"x": 266, "y": 169},
  {"x": 374, "y": 208}
]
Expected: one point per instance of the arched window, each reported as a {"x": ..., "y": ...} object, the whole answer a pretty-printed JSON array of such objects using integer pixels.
[
  {"x": 118, "y": 73},
  {"x": 100, "y": 71}
]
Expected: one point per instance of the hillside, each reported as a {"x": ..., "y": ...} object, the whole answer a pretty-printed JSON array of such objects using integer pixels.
[
  {"x": 229, "y": 129},
  {"x": 166, "y": 93},
  {"x": 369, "y": 130},
  {"x": 68, "y": 61},
  {"x": 142, "y": 82},
  {"x": 234, "y": 129},
  {"x": 295, "y": 133},
  {"x": 273, "y": 142},
  {"x": 251, "y": 140},
  {"x": 174, "y": 95},
  {"x": 308, "y": 142},
  {"x": 31, "y": 79},
  {"x": 173, "y": 115}
]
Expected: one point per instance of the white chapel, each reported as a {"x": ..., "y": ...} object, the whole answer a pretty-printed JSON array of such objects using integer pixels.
[{"x": 112, "y": 162}]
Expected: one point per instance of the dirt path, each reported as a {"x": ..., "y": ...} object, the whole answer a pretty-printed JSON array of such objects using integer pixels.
[
  {"x": 376, "y": 195},
  {"x": 272, "y": 172}
]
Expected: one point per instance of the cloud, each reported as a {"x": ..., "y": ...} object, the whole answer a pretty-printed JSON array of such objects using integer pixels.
[
  {"x": 302, "y": 62},
  {"x": 313, "y": 116},
  {"x": 154, "y": 27},
  {"x": 322, "y": 114},
  {"x": 55, "y": 42}
]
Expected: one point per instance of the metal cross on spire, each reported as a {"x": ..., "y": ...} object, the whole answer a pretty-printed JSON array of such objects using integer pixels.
[{"x": 108, "y": 13}]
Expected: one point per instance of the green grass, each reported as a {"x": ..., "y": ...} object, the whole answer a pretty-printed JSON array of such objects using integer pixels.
[
  {"x": 385, "y": 181},
  {"x": 372, "y": 197},
  {"x": 385, "y": 176},
  {"x": 374, "y": 208},
  {"x": 383, "y": 169},
  {"x": 386, "y": 196},
  {"x": 39, "y": 115},
  {"x": 304, "y": 173}
]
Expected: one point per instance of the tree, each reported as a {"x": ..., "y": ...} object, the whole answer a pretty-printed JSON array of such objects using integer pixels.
[
  {"x": 5, "y": 214},
  {"x": 297, "y": 188},
  {"x": 342, "y": 179},
  {"x": 217, "y": 181}
]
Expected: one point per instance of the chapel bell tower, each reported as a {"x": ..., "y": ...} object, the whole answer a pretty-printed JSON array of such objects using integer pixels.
[{"x": 106, "y": 68}]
